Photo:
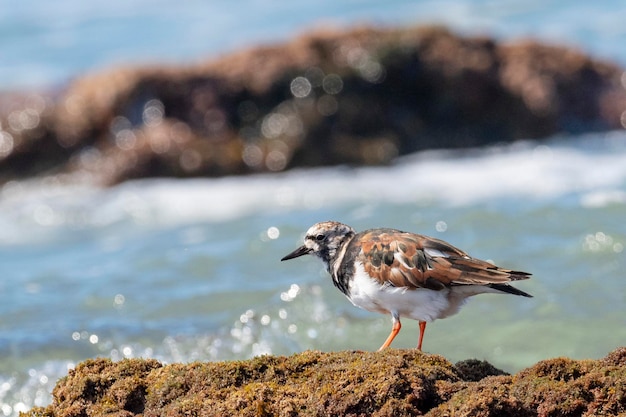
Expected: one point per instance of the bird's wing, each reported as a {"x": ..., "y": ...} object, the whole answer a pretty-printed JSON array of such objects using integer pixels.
[{"x": 414, "y": 261}]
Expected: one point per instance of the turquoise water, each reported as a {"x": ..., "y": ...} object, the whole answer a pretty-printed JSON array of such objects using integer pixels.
[
  {"x": 49, "y": 43},
  {"x": 189, "y": 270}
]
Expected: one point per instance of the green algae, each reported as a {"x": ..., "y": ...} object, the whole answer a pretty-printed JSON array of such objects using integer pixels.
[
  {"x": 389, "y": 383},
  {"x": 554, "y": 387}
]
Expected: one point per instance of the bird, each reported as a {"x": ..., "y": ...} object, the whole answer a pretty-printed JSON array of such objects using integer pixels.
[{"x": 403, "y": 274}]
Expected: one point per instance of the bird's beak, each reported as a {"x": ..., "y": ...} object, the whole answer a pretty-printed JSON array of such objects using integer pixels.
[{"x": 302, "y": 250}]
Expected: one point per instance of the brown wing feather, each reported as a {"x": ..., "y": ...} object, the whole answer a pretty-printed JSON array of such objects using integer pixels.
[{"x": 415, "y": 261}]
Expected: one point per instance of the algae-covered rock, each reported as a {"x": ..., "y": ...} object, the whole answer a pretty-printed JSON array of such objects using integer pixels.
[
  {"x": 554, "y": 387},
  {"x": 389, "y": 383},
  {"x": 394, "y": 383},
  {"x": 361, "y": 96}
]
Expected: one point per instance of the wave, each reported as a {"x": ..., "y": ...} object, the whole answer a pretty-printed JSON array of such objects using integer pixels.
[{"x": 591, "y": 168}]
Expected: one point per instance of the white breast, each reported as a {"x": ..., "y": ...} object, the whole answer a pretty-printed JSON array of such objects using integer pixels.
[{"x": 418, "y": 304}]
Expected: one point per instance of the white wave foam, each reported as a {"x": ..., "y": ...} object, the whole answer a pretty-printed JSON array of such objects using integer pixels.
[{"x": 527, "y": 171}]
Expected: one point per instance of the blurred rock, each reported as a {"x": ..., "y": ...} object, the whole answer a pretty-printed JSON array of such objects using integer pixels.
[
  {"x": 362, "y": 96},
  {"x": 389, "y": 383}
]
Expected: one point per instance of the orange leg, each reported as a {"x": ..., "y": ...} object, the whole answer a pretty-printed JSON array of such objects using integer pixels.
[
  {"x": 422, "y": 330},
  {"x": 394, "y": 331}
]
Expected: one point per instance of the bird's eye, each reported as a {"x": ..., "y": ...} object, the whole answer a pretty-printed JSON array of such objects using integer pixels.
[{"x": 319, "y": 237}]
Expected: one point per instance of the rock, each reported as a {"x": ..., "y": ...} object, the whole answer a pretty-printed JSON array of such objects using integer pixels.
[
  {"x": 390, "y": 383},
  {"x": 555, "y": 387},
  {"x": 360, "y": 96}
]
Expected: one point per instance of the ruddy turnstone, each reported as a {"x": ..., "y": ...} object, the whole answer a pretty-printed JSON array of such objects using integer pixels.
[{"x": 403, "y": 274}]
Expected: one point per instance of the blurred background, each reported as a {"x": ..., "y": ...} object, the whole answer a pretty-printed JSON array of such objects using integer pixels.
[{"x": 185, "y": 269}]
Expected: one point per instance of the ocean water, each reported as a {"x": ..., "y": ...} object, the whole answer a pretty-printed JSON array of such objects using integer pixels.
[
  {"x": 45, "y": 44},
  {"x": 184, "y": 270}
]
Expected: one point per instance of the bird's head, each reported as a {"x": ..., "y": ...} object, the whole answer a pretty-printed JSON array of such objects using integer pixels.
[{"x": 323, "y": 240}]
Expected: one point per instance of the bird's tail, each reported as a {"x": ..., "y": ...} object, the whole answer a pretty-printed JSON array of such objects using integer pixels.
[{"x": 509, "y": 289}]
